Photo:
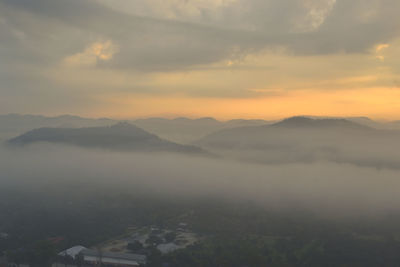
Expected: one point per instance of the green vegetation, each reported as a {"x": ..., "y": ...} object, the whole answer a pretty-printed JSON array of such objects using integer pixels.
[{"x": 232, "y": 234}]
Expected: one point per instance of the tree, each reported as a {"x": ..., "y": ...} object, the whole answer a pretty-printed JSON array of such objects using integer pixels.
[
  {"x": 135, "y": 246},
  {"x": 154, "y": 240},
  {"x": 170, "y": 237}
]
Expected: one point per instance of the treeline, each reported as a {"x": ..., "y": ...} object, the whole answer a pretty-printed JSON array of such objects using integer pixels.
[
  {"x": 232, "y": 234},
  {"x": 280, "y": 252}
]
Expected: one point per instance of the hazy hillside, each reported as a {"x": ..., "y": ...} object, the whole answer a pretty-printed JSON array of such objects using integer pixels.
[
  {"x": 304, "y": 122},
  {"x": 301, "y": 139},
  {"x": 185, "y": 130},
  {"x": 121, "y": 136},
  {"x": 390, "y": 125},
  {"x": 181, "y": 130},
  {"x": 12, "y": 125}
]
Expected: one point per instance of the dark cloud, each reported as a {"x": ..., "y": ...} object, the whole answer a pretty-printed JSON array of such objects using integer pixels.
[
  {"x": 144, "y": 43},
  {"x": 53, "y": 29},
  {"x": 37, "y": 36}
]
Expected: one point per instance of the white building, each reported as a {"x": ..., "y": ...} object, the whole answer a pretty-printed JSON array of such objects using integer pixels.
[
  {"x": 72, "y": 252},
  {"x": 94, "y": 257},
  {"x": 167, "y": 248}
]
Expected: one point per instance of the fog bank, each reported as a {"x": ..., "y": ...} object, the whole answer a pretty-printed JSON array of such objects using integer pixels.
[{"x": 328, "y": 188}]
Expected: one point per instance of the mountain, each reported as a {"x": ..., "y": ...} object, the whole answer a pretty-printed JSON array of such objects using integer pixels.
[
  {"x": 15, "y": 124},
  {"x": 304, "y": 139},
  {"x": 180, "y": 130},
  {"x": 121, "y": 137},
  {"x": 291, "y": 130},
  {"x": 185, "y": 130},
  {"x": 305, "y": 122},
  {"x": 364, "y": 121}
]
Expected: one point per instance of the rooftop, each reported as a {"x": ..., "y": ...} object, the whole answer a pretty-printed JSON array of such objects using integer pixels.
[{"x": 120, "y": 256}]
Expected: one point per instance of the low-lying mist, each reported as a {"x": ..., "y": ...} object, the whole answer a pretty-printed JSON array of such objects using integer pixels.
[
  {"x": 325, "y": 188},
  {"x": 280, "y": 144}
]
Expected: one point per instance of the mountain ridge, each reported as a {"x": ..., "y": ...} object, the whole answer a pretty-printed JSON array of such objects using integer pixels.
[
  {"x": 122, "y": 136},
  {"x": 302, "y": 122}
]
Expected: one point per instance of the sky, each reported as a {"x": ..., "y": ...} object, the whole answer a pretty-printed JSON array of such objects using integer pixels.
[{"x": 222, "y": 58}]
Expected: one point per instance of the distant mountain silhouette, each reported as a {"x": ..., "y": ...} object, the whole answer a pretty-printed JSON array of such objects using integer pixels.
[
  {"x": 303, "y": 139},
  {"x": 305, "y": 122},
  {"x": 290, "y": 128},
  {"x": 15, "y": 124},
  {"x": 185, "y": 130},
  {"x": 180, "y": 130},
  {"x": 121, "y": 136}
]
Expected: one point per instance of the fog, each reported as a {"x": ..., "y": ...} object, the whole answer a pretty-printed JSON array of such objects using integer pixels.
[
  {"x": 322, "y": 187},
  {"x": 350, "y": 143}
]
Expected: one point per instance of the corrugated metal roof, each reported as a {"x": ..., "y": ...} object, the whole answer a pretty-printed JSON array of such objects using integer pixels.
[
  {"x": 72, "y": 251},
  {"x": 121, "y": 256}
]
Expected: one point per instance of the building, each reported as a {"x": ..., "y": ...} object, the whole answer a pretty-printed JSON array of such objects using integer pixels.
[
  {"x": 58, "y": 264},
  {"x": 72, "y": 252},
  {"x": 167, "y": 248},
  {"x": 68, "y": 257},
  {"x": 94, "y": 257}
]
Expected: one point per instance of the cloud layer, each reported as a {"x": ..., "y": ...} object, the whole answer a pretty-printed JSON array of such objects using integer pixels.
[
  {"x": 71, "y": 49},
  {"x": 178, "y": 34}
]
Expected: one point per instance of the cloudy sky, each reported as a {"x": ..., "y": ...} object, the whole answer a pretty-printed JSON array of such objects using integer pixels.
[{"x": 221, "y": 58}]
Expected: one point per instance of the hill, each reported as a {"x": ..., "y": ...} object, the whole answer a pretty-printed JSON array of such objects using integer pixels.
[
  {"x": 305, "y": 122},
  {"x": 121, "y": 136},
  {"x": 303, "y": 140},
  {"x": 185, "y": 130},
  {"x": 12, "y": 125},
  {"x": 180, "y": 130}
]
